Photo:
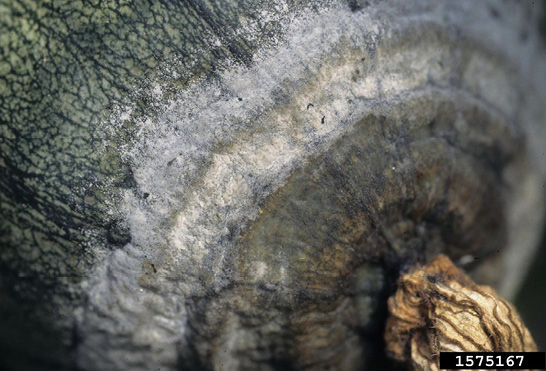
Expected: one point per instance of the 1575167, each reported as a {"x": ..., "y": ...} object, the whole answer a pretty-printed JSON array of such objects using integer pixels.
[{"x": 492, "y": 360}]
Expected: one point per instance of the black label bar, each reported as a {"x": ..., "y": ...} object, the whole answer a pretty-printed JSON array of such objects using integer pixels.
[{"x": 492, "y": 360}]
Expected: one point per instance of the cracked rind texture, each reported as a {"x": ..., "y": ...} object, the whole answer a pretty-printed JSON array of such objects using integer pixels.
[
  {"x": 437, "y": 308},
  {"x": 272, "y": 181}
]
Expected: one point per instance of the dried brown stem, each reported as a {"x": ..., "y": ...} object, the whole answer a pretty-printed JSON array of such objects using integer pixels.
[{"x": 438, "y": 308}]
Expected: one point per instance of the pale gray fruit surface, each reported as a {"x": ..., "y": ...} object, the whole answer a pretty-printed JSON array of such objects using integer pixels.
[{"x": 237, "y": 185}]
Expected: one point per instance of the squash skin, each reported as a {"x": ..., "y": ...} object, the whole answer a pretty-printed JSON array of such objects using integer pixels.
[{"x": 66, "y": 221}]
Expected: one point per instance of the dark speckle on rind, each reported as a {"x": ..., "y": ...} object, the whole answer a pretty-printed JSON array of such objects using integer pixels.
[
  {"x": 432, "y": 279},
  {"x": 356, "y": 5},
  {"x": 118, "y": 234},
  {"x": 494, "y": 12}
]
